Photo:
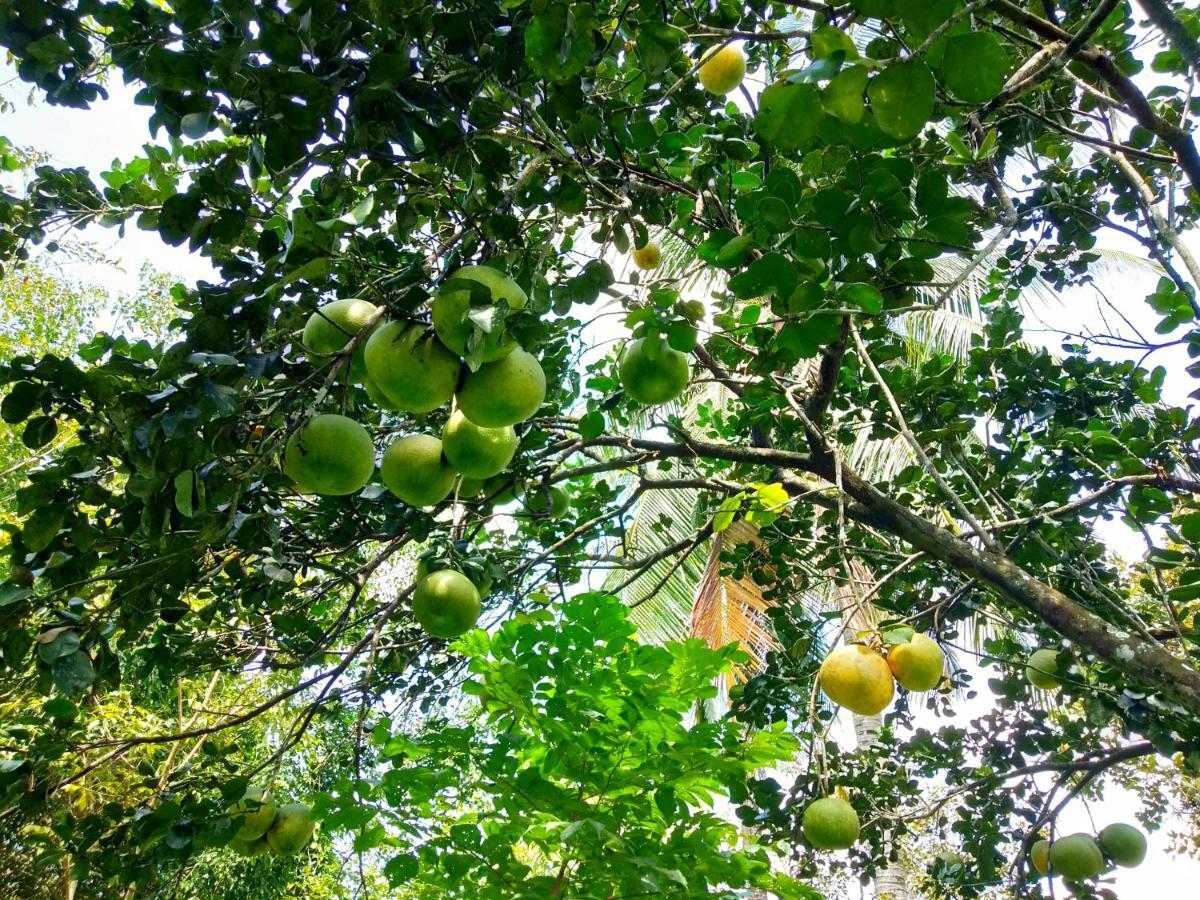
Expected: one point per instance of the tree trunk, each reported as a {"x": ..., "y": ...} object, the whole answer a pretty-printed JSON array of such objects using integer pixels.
[{"x": 890, "y": 883}]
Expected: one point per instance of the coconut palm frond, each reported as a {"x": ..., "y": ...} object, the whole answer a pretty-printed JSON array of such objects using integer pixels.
[{"x": 931, "y": 332}]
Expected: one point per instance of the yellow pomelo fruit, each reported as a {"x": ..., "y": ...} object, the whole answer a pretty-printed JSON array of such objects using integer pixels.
[
  {"x": 1039, "y": 856},
  {"x": 1076, "y": 857},
  {"x": 858, "y": 678},
  {"x": 547, "y": 503},
  {"x": 475, "y": 451},
  {"x": 449, "y": 309},
  {"x": 1042, "y": 669},
  {"x": 653, "y": 372},
  {"x": 504, "y": 392},
  {"x": 292, "y": 828},
  {"x": 411, "y": 367},
  {"x": 413, "y": 470},
  {"x": 253, "y": 814},
  {"x": 446, "y": 604},
  {"x": 723, "y": 70},
  {"x": 330, "y": 454},
  {"x": 830, "y": 824},
  {"x": 1124, "y": 844},
  {"x": 917, "y": 664},
  {"x": 647, "y": 257}
]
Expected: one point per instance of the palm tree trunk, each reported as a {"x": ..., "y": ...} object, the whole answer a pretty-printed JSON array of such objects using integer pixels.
[{"x": 890, "y": 883}]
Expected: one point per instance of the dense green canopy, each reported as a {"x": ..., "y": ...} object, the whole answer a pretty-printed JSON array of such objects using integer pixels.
[{"x": 180, "y": 619}]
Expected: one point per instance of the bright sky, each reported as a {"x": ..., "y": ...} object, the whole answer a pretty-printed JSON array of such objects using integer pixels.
[{"x": 117, "y": 130}]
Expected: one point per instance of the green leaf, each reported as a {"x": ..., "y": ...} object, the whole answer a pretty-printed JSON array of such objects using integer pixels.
[
  {"x": 22, "y": 400},
  {"x": 828, "y": 39},
  {"x": 42, "y": 527},
  {"x": 559, "y": 41},
  {"x": 772, "y": 273},
  {"x": 902, "y": 99},
  {"x": 789, "y": 115},
  {"x": 974, "y": 66},
  {"x": 843, "y": 96},
  {"x": 73, "y": 673},
  {"x": 864, "y": 296},
  {"x": 183, "y": 492},
  {"x": 39, "y": 432},
  {"x": 591, "y": 425}
]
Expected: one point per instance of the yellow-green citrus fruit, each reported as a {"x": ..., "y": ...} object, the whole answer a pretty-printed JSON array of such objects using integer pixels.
[
  {"x": 449, "y": 309},
  {"x": 330, "y": 454},
  {"x": 378, "y": 397},
  {"x": 1039, "y": 856},
  {"x": 548, "y": 502},
  {"x": 1124, "y": 844},
  {"x": 723, "y": 70},
  {"x": 1076, "y": 857},
  {"x": 292, "y": 828},
  {"x": 411, "y": 367},
  {"x": 424, "y": 568},
  {"x": 500, "y": 490},
  {"x": 653, "y": 372},
  {"x": 475, "y": 451},
  {"x": 1042, "y": 668},
  {"x": 331, "y": 327},
  {"x": 255, "y": 847},
  {"x": 830, "y": 824},
  {"x": 917, "y": 664},
  {"x": 469, "y": 488},
  {"x": 858, "y": 678},
  {"x": 413, "y": 470},
  {"x": 446, "y": 604},
  {"x": 647, "y": 257},
  {"x": 253, "y": 814},
  {"x": 504, "y": 392}
]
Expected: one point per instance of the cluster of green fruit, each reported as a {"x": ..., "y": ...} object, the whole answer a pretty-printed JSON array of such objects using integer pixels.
[
  {"x": 1079, "y": 857},
  {"x": 262, "y": 827},
  {"x": 406, "y": 367},
  {"x": 862, "y": 679}
]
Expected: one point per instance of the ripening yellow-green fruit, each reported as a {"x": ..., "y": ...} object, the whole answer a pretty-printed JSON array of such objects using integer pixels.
[
  {"x": 858, "y": 678},
  {"x": 330, "y": 454},
  {"x": 446, "y": 603},
  {"x": 918, "y": 663},
  {"x": 830, "y": 824},
  {"x": 723, "y": 70},
  {"x": 504, "y": 392},
  {"x": 291, "y": 830},
  {"x": 647, "y": 256},
  {"x": 1042, "y": 669},
  {"x": 414, "y": 470}
]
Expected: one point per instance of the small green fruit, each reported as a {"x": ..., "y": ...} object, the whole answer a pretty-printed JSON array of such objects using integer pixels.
[
  {"x": 253, "y": 814},
  {"x": 504, "y": 392},
  {"x": 255, "y": 847},
  {"x": 330, "y": 454},
  {"x": 1039, "y": 856},
  {"x": 450, "y": 309},
  {"x": 475, "y": 451},
  {"x": 411, "y": 367},
  {"x": 1076, "y": 857},
  {"x": 1042, "y": 669},
  {"x": 1124, "y": 844},
  {"x": 653, "y": 372},
  {"x": 413, "y": 470},
  {"x": 647, "y": 257},
  {"x": 548, "y": 502},
  {"x": 830, "y": 824},
  {"x": 292, "y": 829},
  {"x": 446, "y": 604}
]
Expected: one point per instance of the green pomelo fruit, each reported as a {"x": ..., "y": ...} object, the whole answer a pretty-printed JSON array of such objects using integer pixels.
[
  {"x": 424, "y": 567},
  {"x": 504, "y": 392},
  {"x": 547, "y": 502},
  {"x": 446, "y": 604},
  {"x": 470, "y": 488},
  {"x": 1076, "y": 857},
  {"x": 413, "y": 470},
  {"x": 1042, "y": 669},
  {"x": 292, "y": 829},
  {"x": 256, "y": 847},
  {"x": 411, "y": 367},
  {"x": 253, "y": 814},
  {"x": 330, "y": 454},
  {"x": 331, "y": 327},
  {"x": 450, "y": 309},
  {"x": 652, "y": 372},
  {"x": 378, "y": 397},
  {"x": 1124, "y": 844},
  {"x": 475, "y": 451},
  {"x": 918, "y": 663},
  {"x": 1039, "y": 856},
  {"x": 830, "y": 824}
]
